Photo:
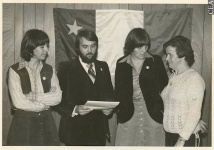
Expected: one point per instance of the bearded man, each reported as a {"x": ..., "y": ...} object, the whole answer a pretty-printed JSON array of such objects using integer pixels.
[{"x": 82, "y": 79}]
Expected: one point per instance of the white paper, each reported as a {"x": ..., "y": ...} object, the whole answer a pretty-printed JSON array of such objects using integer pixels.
[{"x": 101, "y": 105}]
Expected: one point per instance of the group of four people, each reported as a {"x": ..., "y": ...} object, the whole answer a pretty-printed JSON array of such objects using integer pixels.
[{"x": 147, "y": 97}]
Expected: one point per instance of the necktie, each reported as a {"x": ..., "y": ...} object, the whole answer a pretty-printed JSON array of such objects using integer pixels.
[{"x": 91, "y": 72}]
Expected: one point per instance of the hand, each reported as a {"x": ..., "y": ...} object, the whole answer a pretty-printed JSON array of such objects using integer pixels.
[
  {"x": 46, "y": 107},
  {"x": 82, "y": 110},
  {"x": 31, "y": 96},
  {"x": 107, "y": 111},
  {"x": 179, "y": 143},
  {"x": 43, "y": 107},
  {"x": 203, "y": 126},
  {"x": 53, "y": 89}
]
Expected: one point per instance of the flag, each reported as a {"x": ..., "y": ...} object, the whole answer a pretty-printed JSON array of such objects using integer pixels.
[
  {"x": 113, "y": 26},
  {"x": 67, "y": 22},
  {"x": 162, "y": 25}
]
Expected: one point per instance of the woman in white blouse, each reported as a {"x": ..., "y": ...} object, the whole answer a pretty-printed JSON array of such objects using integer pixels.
[
  {"x": 33, "y": 87},
  {"x": 183, "y": 95}
]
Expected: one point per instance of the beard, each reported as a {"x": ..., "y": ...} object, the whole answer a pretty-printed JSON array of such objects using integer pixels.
[{"x": 87, "y": 60}]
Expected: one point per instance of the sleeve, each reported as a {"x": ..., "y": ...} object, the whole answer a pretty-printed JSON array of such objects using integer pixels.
[
  {"x": 65, "y": 107},
  {"x": 19, "y": 100},
  {"x": 109, "y": 92},
  {"x": 195, "y": 93},
  {"x": 123, "y": 94},
  {"x": 53, "y": 97}
]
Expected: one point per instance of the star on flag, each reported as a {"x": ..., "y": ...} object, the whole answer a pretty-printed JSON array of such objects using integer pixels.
[{"x": 74, "y": 28}]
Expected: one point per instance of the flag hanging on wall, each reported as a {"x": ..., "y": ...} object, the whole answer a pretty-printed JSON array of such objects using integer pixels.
[
  {"x": 111, "y": 27},
  {"x": 162, "y": 25}
]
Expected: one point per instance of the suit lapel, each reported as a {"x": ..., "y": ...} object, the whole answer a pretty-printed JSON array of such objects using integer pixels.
[
  {"x": 80, "y": 72},
  {"x": 99, "y": 70}
]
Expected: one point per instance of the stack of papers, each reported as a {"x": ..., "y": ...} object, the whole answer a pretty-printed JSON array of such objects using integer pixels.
[{"x": 101, "y": 105}]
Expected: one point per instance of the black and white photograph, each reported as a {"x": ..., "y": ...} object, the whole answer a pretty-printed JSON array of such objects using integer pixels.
[{"x": 107, "y": 74}]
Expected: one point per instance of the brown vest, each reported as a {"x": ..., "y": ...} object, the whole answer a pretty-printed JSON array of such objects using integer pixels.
[{"x": 45, "y": 74}]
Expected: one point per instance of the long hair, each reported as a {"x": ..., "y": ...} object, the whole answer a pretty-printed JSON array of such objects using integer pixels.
[
  {"x": 31, "y": 40},
  {"x": 137, "y": 37}
]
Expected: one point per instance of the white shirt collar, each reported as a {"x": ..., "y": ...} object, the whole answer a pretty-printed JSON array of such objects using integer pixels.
[
  {"x": 25, "y": 64},
  {"x": 85, "y": 65},
  {"x": 128, "y": 58}
]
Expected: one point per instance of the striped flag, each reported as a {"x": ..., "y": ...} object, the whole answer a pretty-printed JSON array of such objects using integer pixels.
[{"x": 112, "y": 27}]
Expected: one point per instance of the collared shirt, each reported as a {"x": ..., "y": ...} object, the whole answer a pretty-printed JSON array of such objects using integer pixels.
[
  {"x": 85, "y": 65},
  {"x": 129, "y": 61},
  {"x": 37, "y": 100},
  {"x": 86, "y": 69},
  {"x": 141, "y": 129}
]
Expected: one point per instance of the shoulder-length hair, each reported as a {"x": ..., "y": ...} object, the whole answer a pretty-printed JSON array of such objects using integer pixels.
[
  {"x": 137, "y": 37},
  {"x": 31, "y": 40}
]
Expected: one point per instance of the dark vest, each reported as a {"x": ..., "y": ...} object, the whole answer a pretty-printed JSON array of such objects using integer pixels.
[
  {"x": 93, "y": 90},
  {"x": 45, "y": 74}
]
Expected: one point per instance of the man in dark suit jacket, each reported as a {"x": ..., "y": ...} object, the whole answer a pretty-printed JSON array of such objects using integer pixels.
[{"x": 82, "y": 79}]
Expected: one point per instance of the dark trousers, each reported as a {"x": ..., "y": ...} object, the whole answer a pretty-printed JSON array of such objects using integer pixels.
[
  {"x": 171, "y": 139},
  {"x": 90, "y": 130}
]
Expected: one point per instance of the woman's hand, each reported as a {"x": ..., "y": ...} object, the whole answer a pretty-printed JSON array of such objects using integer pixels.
[
  {"x": 31, "y": 96},
  {"x": 53, "y": 89},
  {"x": 180, "y": 142},
  {"x": 201, "y": 126},
  {"x": 107, "y": 111}
]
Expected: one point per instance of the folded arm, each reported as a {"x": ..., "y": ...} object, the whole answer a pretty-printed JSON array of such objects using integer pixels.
[
  {"x": 20, "y": 100},
  {"x": 53, "y": 97}
]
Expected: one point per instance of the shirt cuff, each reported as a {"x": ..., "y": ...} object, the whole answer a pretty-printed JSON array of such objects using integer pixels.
[{"x": 74, "y": 113}]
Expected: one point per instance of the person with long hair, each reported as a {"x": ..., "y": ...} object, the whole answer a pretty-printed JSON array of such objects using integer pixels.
[
  {"x": 139, "y": 79},
  {"x": 34, "y": 88}
]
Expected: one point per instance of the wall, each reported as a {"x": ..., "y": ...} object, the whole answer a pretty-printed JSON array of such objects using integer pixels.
[{"x": 18, "y": 18}]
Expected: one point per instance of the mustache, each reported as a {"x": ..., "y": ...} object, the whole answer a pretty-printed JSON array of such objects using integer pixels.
[{"x": 90, "y": 54}]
